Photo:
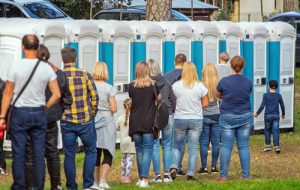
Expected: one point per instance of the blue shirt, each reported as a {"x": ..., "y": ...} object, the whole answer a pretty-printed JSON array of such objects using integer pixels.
[
  {"x": 236, "y": 91},
  {"x": 173, "y": 76},
  {"x": 271, "y": 101}
]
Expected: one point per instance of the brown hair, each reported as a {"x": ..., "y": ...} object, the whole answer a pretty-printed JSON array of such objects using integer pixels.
[
  {"x": 68, "y": 55},
  {"x": 127, "y": 107},
  {"x": 30, "y": 42},
  {"x": 237, "y": 63},
  {"x": 180, "y": 59},
  {"x": 43, "y": 53},
  {"x": 142, "y": 74},
  {"x": 100, "y": 72}
]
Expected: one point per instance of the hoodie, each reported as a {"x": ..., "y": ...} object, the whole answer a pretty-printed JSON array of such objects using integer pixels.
[{"x": 166, "y": 91}]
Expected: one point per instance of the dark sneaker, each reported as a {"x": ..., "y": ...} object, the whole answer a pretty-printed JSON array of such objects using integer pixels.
[
  {"x": 214, "y": 170},
  {"x": 267, "y": 148},
  {"x": 203, "y": 171},
  {"x": 173, "y": 174},
  {"x": 181, "y": 173},
  {"x": 190, "y": 178},
  {"x": 277, "y": 149}
]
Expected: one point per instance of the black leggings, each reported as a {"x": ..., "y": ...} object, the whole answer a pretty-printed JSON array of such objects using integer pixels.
[{"x": 107, "y": 157}]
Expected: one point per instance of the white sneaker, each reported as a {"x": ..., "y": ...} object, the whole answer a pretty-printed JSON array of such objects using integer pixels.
[
  {"x": 94, "y": 187},
  {"x": 3, "y": 172},
  {"x": 167, "y": 178},
  {"x": 144, "y": 184},
  {"x": 104, "y": 185},
  {"x": 138, "y": 183}
]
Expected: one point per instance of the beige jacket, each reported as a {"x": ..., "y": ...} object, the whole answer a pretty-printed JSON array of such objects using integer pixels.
[{"x": 126, "y": 145}]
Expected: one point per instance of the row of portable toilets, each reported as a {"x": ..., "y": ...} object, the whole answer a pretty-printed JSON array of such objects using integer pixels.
[{"x": 268, "y": 48}]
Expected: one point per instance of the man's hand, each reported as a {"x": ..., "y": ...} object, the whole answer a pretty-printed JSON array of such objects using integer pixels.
[{"x": 255, "y": 114}]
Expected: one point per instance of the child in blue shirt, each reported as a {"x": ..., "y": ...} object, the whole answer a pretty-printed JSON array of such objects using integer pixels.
[{"x": 271, "y": 101}]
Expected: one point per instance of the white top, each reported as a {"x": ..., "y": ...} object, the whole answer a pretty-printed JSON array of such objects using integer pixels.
[
  {"x": 34, "y": 94},
  {"x": 188, "y": 103},
  {"x": 224, "y": 70},
  {"x": 126, "y": 144}
]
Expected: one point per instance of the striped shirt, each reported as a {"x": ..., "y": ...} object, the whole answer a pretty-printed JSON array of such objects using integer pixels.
[{"x": 85, "y": 96}]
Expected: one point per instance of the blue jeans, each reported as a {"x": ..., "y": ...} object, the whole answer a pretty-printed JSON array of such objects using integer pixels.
[
  {"x": 239, "y": 127},
  {"x": 272, "y": 126},
  {"x": 87, "y": 133},
  {"x": 167, "y": 134},
  {"x": 191, "y": 129},
  {"x": 210, "y": 133},
  {"x": 28, "y": 123},
  {"x": 144, "y": 152}
]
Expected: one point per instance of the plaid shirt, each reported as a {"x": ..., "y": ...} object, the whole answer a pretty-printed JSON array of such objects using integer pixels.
[{"x": 85, "y": 96}]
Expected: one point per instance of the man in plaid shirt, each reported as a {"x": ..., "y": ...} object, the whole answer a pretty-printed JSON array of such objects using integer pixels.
[{"x": 78, "y": 121}]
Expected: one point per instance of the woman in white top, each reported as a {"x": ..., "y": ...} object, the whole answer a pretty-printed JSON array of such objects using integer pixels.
[{"x": 191, "y": 97}]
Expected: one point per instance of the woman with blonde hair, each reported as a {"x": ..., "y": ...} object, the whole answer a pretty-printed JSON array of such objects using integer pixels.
[
  {"x": 211, "y": 114},
  {"x": 144, "y": 93},
  {"x": 191, "y": 97},
  {"x": 104, "y": 123}
]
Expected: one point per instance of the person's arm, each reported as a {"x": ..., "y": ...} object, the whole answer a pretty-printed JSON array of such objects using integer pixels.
[
  {"x": 261, "y": 107},
  {"x": 204, "y": 101},
  {"x": 219, "y": 90},
  {"x": 172, "y": 99},
  {"x": 5, "y": 102},
  {"x": 66, "y": 95},
  {"x": 113, "y": 104},
  {"x": 282, "y": 107},
  {"x": 93, "y": 93},
  {"x": 55, "y": 94}
]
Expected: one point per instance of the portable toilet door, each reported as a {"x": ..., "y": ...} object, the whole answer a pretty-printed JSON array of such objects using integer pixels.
[
  {"x": 84, "y": 36},
  {"x": 281, "y": 65},
  {"x": 255, "y": 51},
  {"x": 147, "y": 43},
  {"x": 231, "y": 37},
  {"x": 53, "y": 36},
  {"x": 178, "y": 37}
]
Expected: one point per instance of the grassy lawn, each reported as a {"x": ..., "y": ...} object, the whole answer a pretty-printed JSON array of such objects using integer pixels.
[{"x": 269, "y": 171}]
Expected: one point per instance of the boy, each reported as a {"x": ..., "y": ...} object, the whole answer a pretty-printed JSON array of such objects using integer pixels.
[{"x": 271, "y": 101}]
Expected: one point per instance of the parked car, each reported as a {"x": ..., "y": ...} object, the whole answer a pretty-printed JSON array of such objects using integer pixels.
[
  {"x": 31, "y": 9},
  {"x": 134, "y": 14},
  {"x": 292, "y": 18}
]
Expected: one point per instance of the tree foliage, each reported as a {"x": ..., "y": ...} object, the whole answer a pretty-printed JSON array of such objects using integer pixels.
[{"x": 222, "y": 14}]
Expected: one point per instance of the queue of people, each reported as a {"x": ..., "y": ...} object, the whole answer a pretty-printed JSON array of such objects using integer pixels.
[{"x": 215, "y": 110}]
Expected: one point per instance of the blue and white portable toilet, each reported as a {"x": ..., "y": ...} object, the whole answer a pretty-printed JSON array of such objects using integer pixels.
[
  {"x": 231, "y": 37},
  {"x": 205, "y": 45},
  {"x": 281, "y": 65},
  {"x": 178, "y": 38},
  {"x": 255, "y": 52},
  {"x": 147, "y": 41},
  {"x": 84, "y": 36}
]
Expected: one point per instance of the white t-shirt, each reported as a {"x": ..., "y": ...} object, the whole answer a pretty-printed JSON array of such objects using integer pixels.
[
  {"x": 34, "y": 94},
  {"x": 188, "y": 100}
]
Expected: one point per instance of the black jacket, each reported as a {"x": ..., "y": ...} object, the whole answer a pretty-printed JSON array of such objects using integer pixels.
[
  {"x": 166, "y": 92},
  {"x": 2, "y": 85}
]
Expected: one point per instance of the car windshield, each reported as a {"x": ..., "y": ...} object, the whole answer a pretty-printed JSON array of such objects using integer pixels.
[{"x": 44, "y": 10}]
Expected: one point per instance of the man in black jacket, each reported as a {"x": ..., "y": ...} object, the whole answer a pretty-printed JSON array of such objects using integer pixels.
[{"x": 54, "y": 114}]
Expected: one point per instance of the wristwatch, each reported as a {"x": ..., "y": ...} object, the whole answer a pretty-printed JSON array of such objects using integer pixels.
[{"x": 2, "y": 117}]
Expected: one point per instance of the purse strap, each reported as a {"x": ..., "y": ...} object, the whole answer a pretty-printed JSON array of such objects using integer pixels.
[{"x": 27, "y": 82}]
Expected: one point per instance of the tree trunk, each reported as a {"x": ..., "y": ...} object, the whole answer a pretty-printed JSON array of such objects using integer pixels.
[
  {"x": 158, "y": 10},
  {"x": 262, "y": 10}
]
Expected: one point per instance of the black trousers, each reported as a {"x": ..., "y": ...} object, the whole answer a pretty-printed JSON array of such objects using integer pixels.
[
  {"x": 2, "y": 156},
  {"x": 52, "y": 157}
]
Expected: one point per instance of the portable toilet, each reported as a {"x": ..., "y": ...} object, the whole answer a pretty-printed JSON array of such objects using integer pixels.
[
  {"x": 230, "y": 39},
  {"x": 281, "y": 65},
  {"x": 255, "y": 52},
  {"x": 178, "y": 38},
  {"x": 83, "y": 35},
  {"x": 205, "y": 45},
  {"x": 147, "y": 42}
]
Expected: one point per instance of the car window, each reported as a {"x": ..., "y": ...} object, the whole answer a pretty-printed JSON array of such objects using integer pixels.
[
  {"x": 129, "y": 16},
  {"x": 142, "y": 17},
  {"x": 1, "y": 9},
  {"x": 107, "y": 16},
  {"x": 12, "y": 11},
  {"x": 44, "y": 10}
]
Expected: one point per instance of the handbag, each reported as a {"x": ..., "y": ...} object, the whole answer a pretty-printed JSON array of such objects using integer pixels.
[
  {"x": 11, "y": 107},
  {"x": 162, "y": 114}
]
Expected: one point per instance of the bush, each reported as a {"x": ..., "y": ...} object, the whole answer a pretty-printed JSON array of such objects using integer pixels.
[{"x": 222, "y": 14}]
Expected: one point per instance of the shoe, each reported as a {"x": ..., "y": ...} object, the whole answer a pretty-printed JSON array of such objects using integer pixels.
[
  {"x": 138, "y": 183},
  {"x": 221, "y": 179},
  {"x": 127, "y": 180},
  {"x": 267, "y": 148},
  {"x": 191, "y": 178},
  {"x": 181, "y": 173},
  {"x": 144, "y": 184},
  {"x": 104, "y": 185},
  {"x": 203, "y": 171},
  {"x": 3, "y": 172},
  {"x": 94, "y": 187},
  {"x": 277, "y": 149},
  {"x": 173, "y": 174},
  {"x": 214, "y": 170},
  {"x": 167, "y": 178},
  {"x": 156, "y": 179}
]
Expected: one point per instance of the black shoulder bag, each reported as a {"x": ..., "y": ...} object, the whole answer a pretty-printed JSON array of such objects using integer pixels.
[
  {"x": 162, "y": 113},
  {"x": 9, "y": 113}
]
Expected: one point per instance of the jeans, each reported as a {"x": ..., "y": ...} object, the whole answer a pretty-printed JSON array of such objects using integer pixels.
[
  {"x": 52, "y": 157},
  {"x": 239, "y": 127},
  {"x": 87, "y": 133},
  {"x": 272, "y": 126},
  {"x": 144, "y": 152},
  {"x": 2, "y": 156},
  {"x": 191, "y": 129},
  {"x": 167, "y": 133},
  {"x": 210, "y": 133},
  {"x": 27, "y": 123}
]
